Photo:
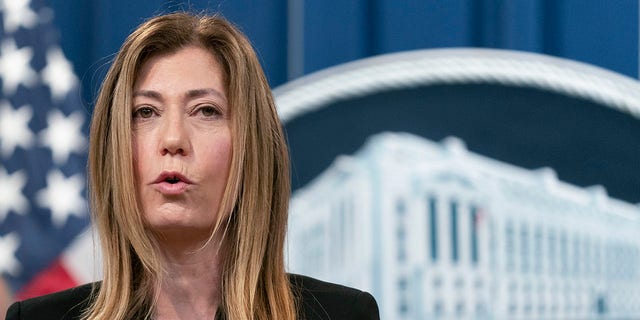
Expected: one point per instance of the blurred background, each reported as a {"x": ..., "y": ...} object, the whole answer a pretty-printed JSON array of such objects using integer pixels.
[
  {"x": 294, "y": 38},
  {"x": 457, "y": 182}
]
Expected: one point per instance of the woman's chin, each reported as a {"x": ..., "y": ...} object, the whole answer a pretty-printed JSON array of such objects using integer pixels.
[{"x": 180, "y": 230}]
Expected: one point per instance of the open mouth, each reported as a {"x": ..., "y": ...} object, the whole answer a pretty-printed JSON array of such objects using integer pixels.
[
  {"x": 172, "y": 180},
  {"x": 172, "y": 183}
]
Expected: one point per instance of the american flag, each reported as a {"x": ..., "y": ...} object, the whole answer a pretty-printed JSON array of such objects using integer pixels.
[{"x": 43, "y": 146}]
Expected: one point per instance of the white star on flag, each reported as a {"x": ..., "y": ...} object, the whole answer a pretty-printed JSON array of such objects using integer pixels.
[
  {"x": 58, "y": 74},
  {"x": 14, "y": 128},
  {"x": 17, "y": 13},
  {"x": 15, "y": 67},
  {"x": 8, "y": 247},
  {"x": 63, "y": 135},
  {"x": 43, "y": 152},
  {"x": 62, "y": 196},
  {"x": 11, "y": 197}
]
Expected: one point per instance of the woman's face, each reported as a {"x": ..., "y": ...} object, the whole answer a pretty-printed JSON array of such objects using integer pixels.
[{"x": 181, "y": 141}]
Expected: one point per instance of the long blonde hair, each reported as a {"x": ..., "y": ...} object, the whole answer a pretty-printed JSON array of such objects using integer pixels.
[{"x": 254, "y": 282}]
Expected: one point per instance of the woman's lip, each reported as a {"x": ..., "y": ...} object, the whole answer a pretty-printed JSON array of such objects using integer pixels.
[{"x": 167, "y": 188}]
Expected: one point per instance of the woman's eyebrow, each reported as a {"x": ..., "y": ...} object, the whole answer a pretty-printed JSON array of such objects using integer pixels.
[
  {"x": 148, "y": 93},
  {"x": 196, "y": 93},
  {"x": 191, "y": 94}
]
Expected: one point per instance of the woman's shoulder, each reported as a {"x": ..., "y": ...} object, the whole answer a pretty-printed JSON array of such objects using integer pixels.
[
  {"x": 323, "y": 300},
  {"x": 316, "y": 300},
  {"x": 67, "y": 305}
]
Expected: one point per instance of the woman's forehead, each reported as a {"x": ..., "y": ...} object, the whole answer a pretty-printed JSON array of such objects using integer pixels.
[{"x": 189, "y": 69}]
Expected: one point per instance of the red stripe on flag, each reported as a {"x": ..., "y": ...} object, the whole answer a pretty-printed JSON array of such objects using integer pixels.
[{"x": 53, "y": 279}]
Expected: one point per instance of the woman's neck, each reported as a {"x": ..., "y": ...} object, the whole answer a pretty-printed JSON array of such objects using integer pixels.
[{"x": 191, "y": 286}]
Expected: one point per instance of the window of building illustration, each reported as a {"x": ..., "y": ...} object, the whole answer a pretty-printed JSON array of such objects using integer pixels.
[
  {"x": 577, "y": 255},
  {"x": 538, "y": 257},
  {"x": 524, "y": 247},
  {"x": 403, "y": 294},
  {"x": 586, "y": 257},
  {"x": 474, "y": 234},
  {"x": 597, "y": 258},
  {"x": 454, "y": 230},
  {"x": 493, "y": 243},
  {"x": 509, "y": 245},
  {"x": 401, "y": 232},
  {"x": 433, "y": 227},
  {"x": 551, "y": 252},
  {"x": 564, "y": 253}
]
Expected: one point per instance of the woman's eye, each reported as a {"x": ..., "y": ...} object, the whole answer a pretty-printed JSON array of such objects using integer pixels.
[
  {"x": 144, "y": 112},
  {"x": 208, "y": 111}
]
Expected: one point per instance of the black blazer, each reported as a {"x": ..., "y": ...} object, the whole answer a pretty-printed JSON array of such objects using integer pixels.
[{"x": 318, "y": 300}]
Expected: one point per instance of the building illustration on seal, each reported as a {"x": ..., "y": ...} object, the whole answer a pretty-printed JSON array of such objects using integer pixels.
[{"x": 435, "y": 231}]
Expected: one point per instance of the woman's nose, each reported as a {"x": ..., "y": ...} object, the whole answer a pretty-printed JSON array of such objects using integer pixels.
[{"x": 174, "y": 139}]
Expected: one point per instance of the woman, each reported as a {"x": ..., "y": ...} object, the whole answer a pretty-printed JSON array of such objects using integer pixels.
[{"x": 189, "y": 189}]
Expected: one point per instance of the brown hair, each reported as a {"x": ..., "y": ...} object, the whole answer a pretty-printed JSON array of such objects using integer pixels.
[{"x": 254, "y": 282}]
